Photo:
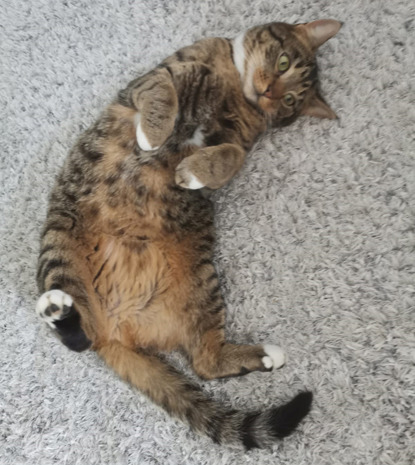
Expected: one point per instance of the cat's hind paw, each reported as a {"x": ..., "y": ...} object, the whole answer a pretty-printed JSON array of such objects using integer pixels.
[
  {"x": 275, "y": 357},
  {"x": 53, "y": 306}
]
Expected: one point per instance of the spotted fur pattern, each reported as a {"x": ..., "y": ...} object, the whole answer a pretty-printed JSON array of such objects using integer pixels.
[{"x": 125, "y": 265}]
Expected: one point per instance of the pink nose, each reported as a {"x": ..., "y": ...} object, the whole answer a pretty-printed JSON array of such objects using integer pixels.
[{"x": 275, "y": 90}]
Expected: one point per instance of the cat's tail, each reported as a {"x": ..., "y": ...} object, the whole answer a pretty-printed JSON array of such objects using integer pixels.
[{"x": 181, "y": 399}]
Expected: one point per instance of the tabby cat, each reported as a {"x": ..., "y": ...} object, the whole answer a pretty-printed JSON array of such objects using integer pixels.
[{"x": 125, "y": 266}]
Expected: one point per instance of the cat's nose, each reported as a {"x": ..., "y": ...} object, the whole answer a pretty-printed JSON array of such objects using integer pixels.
[
  {"x": 268, "y": 91},
  {"x": 275, "y": 90}
]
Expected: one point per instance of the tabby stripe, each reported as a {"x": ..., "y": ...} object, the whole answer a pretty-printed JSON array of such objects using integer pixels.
[
  {"x": 63, "y": 281},
  {"x": 166, "y": 67},
  {"x": 205, "y": 261},
  {"x": 70, "y": 196},
  {"x": 208, "y": 238},
  {"x": 213, "y": 276},
  {"x": 246, "y": 431},
  {"x": 217, "y": 309},
  {"x": 54, "y": 226},
  {"x": 52, "y": 265},
  {"x": 313, "y": 74},
  {"x": 215, "y": 290},
  {"x": 47, "y": 248},
  {"x": 100, "y": 271},
  {"x": 136, "y": 83},
  {"x": 196, "y": 96},
  {"x": 230, "y": 48},
  {"x": 152, "y": 85},
  {"x": 64, "y": 213},
  {"x": 90, "y": 154},
  {"x": 180, "y": 55},
  {"x": 185, "y": 96},
  {"x": 275, "y": 36},
  {"x": 204, "y": 248}
]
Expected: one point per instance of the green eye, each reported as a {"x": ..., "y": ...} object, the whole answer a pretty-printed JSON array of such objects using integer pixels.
[
  {"x": 289, "y": 99},
  {"x": 283, "y": 63}
]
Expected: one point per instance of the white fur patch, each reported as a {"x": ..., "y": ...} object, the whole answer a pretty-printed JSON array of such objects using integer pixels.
[
  {"x": 198, "y": 138},
  {"x": 193, "y": 182},
  {"x": 248, "y": 86},
  {"x": 275, "y": 356},
  {"x": 239, "y": 53},
  {"x": 61, "y": 301},
  {"x": 141, "y": 137}
]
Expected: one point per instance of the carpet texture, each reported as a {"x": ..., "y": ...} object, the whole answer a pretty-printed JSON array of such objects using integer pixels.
[{"x": 315, "y": 249}]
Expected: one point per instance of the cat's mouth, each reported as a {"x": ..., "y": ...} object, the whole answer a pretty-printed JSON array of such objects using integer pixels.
[
  {"x": 266, "y": 101},
  {"x": 267, "y": 93}
]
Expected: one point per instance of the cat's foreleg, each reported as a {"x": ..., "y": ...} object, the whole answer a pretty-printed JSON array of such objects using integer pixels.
[
  {"x": 213, "y": 357},
  {"x": 210, "y": 167},
  {"x": 156, "y": 100}
]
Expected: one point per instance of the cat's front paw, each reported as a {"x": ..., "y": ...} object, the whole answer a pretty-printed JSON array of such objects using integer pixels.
[
  {"x": 145, "y": 141},
  {"x": 185, "y": 177},
  {"x": 54, "y": 305}
]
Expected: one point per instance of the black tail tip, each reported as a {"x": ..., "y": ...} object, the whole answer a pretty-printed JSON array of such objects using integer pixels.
[
  {"x": 286, "y": 418},
  {"x": 303, "y": 401}
]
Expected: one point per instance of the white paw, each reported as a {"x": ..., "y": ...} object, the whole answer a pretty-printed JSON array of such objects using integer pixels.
[
  {"x": 193, "y": 182},
  {"x": 53, "y": 305},
  {"x": 185, "y": 178},
  {"x": 141, "y": 137},
  {"x": 275, "y": 357}
]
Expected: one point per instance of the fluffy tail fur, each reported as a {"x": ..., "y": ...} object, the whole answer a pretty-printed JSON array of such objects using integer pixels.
[{"x": 171, "y": 391}]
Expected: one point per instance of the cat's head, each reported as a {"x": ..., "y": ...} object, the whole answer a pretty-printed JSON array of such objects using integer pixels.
[{"x": 278, "y": 69}]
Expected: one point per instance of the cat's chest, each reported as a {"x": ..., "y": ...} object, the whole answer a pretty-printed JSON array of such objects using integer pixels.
[{"x": 214, "y": 112}]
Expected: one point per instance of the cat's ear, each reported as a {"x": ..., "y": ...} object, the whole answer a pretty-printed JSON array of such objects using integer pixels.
[
  {"x": 318, "y": 32},
  {"x": 318, "y": 108}
]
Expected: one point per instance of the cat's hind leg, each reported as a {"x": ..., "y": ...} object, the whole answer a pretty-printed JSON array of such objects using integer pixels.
[
  {"x": 211, "y": 355},
  {"x": 62, "y": 277}
]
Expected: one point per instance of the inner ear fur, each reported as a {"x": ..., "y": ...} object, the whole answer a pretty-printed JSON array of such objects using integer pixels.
[{"x": 318, "y": 32}]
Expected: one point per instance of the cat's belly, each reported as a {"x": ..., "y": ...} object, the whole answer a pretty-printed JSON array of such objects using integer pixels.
[{"x": 140, "y": 290}]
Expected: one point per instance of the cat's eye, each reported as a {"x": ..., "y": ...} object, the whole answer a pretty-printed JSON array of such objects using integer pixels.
[
  {"x": 283, "y": 63},
  {"x": 289, "y": 99}
]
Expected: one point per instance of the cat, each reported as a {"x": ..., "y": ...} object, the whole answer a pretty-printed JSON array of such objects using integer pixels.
[{"x": 125, "y": 266}]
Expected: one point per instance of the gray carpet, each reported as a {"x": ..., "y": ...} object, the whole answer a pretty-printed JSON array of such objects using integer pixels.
[{"x": 316, "y": 237}]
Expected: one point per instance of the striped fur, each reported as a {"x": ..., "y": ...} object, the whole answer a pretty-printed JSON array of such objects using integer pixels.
[{"x": 125, "y": 265}]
